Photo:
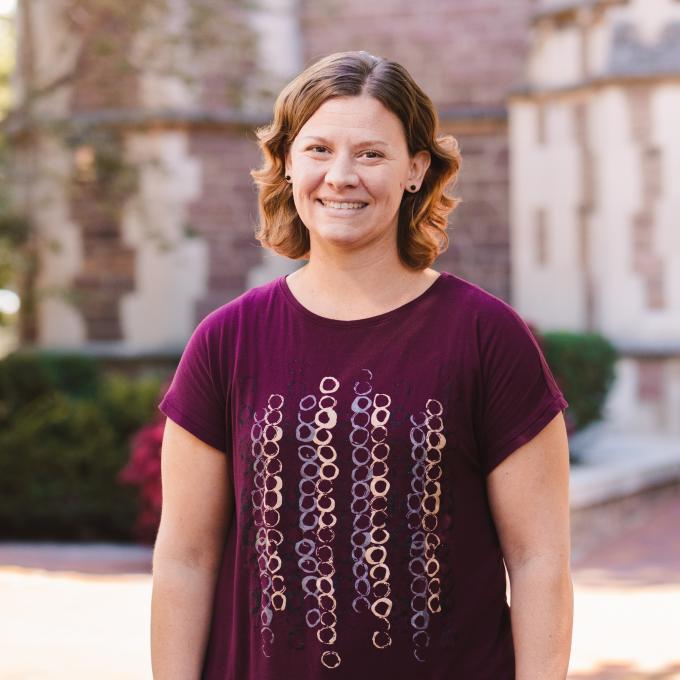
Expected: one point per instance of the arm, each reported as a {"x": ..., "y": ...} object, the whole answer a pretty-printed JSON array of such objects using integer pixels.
[
  {"x": 529, "y": 499},
  {"x": 195, "y": 519}
]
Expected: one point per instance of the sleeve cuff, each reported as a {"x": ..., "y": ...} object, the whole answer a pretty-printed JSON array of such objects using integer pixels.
[{"x": 527, "y": 433}]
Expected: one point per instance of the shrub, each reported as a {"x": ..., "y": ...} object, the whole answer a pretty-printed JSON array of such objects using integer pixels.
[
  {"x": 65, "y": 431},
  {"x": 23, "y": 378},
  {"x": 128, "y": 404},
  {"x": 75, "y": 374},
  {"x": 28, "y": 375},
  {"x": 58, "y": 461},
  {"x": 584, "y": 366}
]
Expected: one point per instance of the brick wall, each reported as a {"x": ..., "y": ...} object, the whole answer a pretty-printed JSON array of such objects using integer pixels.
[
  {"x": 108, "y": 265},
  {"x": 462, "y": 52},
  {"x": 103, "y": 77},
  {"x": 224, "y": 50},
  {"x": 102, "y": 80},
  {"x": 479, "y": 230},
  {"x": 225, "y": 213}
]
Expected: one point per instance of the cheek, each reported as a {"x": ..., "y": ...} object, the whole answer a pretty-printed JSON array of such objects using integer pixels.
[
  {"x": 303, "y": 185},
  {"x": 301, "y": 194},
  {"x": 386, "y": 187},
  {"x": 391, "y": 194},
  {"x": 307, "y": 173}
]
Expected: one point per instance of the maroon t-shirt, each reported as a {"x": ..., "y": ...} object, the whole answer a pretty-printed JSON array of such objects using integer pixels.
[{"x": 362, "y": 543}]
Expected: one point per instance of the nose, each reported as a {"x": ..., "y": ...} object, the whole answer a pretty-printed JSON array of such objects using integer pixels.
[{"x": 341, "y": 172}]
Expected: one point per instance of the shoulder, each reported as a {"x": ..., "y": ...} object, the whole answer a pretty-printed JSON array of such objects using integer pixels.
[
  {"x": 219, "y": 330},
  {"x": 484, "y": 307},
  {"x": 252, "y": 301},
  {"x": 493, "y": 328}
]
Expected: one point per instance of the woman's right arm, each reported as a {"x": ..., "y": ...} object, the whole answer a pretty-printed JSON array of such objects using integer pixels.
[{"x": 195, "y": 520}]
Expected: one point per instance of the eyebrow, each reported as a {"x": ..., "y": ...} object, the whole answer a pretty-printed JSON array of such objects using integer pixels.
[{"x": 368, "y": 142}]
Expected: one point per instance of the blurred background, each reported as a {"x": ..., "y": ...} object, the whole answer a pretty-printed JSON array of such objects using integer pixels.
[{"x": 127, "y": 214}]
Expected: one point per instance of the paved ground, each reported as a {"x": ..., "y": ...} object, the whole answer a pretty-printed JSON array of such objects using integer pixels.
[
  {"x": 627, "y": 600},
  {"x": 69, "y": 612}
]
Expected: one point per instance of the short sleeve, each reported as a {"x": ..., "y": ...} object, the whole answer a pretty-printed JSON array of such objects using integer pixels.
[
  {"x": 195, "y": 398},
  {"x": 519, "y": 394}
]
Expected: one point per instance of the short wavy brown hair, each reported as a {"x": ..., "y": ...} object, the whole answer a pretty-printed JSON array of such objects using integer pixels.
[{"x": 421, "y": 233}]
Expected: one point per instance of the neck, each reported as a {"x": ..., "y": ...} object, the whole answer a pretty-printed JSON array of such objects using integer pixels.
[
  {"x": 344, "y": 279},
  {"x": 357, "y": 287}
]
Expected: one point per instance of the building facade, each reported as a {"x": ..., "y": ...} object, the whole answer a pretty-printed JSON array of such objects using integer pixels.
[
  {"x": 595, "y": 145},
  {"x": 133, "y": 138}
]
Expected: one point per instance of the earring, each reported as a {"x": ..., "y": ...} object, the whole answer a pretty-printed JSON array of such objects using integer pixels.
[
  {"x": 413, "y": 187},
  {"x": 287, "y": 178}
]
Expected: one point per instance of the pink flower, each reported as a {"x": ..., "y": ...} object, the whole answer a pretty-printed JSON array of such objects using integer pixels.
[{"x": 144, "y": 470}]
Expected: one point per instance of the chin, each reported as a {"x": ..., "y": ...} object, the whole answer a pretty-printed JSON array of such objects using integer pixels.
[
  {"x": 337, "y": 233},
  {"x": 350, "y": 240}
]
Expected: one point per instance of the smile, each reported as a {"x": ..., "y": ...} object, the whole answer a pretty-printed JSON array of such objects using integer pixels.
[{"x": 338, "y": 205}]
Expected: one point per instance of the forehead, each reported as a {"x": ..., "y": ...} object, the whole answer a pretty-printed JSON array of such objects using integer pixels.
[{"x": 354, "y": 118}]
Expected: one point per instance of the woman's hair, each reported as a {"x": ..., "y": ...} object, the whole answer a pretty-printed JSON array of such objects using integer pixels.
[{"x": 421, "y": 234}]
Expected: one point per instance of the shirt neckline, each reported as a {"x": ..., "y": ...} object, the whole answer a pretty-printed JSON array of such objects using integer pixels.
[{"x": 282, "y": 285}]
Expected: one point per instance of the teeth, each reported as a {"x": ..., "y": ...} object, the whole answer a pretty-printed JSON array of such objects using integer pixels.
[{"x": 343, "y": 206}]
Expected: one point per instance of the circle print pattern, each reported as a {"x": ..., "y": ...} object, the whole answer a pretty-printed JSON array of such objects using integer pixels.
[
  {"x": 266, "y": 500},
  {"x": 316, "y": 419},
  {"x": 427, "y": 443},
  {"x": 318, "y": 466},
  {"x": 369, "y": 536},
  {"x": 361, "y": 501}
]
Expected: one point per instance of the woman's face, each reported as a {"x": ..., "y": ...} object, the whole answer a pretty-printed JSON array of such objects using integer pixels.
[{"x": 349, "y": 167}]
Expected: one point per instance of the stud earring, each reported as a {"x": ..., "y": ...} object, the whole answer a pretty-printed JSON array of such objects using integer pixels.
[
  {"x": 287, "y": 178},
  {"x": 413, "y": 187}
]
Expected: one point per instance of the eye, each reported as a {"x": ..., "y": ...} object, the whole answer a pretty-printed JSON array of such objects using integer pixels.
[
  {"x": 376, "y": 154},
  {"x": 316, "y": 148}
]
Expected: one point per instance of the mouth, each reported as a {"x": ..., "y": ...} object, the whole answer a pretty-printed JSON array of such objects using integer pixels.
[{"x": 347, "y": 206}]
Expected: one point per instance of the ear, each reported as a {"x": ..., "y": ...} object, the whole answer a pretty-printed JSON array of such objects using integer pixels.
[
  {"x": 420, "y": 162},
  {"x": 287, "y": 163}
]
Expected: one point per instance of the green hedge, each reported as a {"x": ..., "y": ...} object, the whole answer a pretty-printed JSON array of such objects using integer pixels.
[
  {"x": 65, "y": 430},
  {"x": 583, "y": 365}
]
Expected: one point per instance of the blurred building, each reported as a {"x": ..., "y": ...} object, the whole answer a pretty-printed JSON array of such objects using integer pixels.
[
  {"x": 133, "y": 144},
  {"x": 595, "y": 145},
  {"x": 133, "y": 141}
]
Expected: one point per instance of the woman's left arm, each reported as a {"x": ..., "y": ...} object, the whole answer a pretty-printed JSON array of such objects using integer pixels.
[{"x": 529, "y": 499}]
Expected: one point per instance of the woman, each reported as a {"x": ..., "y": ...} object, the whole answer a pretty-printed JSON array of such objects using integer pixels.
[{"x": 339, "y": 494}]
